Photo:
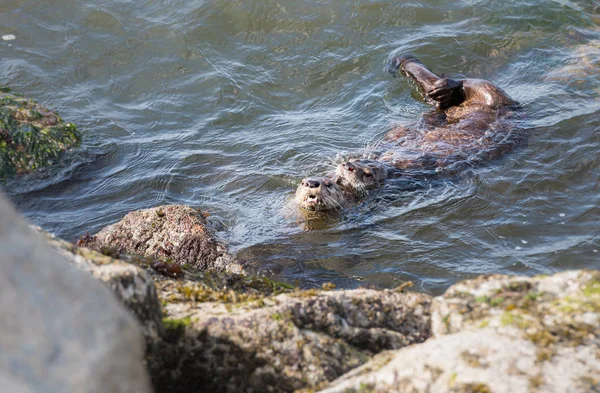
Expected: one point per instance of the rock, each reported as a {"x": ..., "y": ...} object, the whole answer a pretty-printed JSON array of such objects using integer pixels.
[
  {"x": 225, "y": 332},
  {"x": 499, "y": 334},
  {"x": 300, "y": 339},
  {"x": 62, "y": 331},
  {"x": 131, "y": 283},
  {"x": 31, "y": 136},
  {"x": 479, "y": 361},
  {"x": 174, "y": 232}
]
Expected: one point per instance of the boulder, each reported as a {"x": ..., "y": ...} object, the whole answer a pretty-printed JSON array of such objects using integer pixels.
[
  {"x": 176, "y": 233},
  {"x": 31, "y": 136},
  {"x": 499, "y": 334},
  {"x": 62, "y": 331},
  {"x": 126, "y": 277},
  {"x": 299, "y": 339}
]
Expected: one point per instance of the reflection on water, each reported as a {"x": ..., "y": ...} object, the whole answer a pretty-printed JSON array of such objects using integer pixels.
[{"x": 226, "y": 105}]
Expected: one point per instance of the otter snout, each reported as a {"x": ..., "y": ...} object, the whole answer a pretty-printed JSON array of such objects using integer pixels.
[
  {"x": 349, "y": 166},
  {"x": 311, "y": 183}
]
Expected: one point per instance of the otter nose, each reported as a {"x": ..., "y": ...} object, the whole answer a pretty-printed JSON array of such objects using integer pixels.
[
  {"x": 349, "y": 166},
  {"x": 313, "y": 183}
]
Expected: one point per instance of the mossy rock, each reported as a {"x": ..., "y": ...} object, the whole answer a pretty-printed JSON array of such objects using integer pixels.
[{"x": 31, "y": 136}]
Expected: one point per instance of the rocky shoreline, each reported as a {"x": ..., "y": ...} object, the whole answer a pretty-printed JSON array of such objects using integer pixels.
[{"x": 217, "y": 331}]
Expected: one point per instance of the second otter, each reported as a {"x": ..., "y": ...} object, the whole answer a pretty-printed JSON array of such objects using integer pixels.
[{"x": 472, "y": 125}]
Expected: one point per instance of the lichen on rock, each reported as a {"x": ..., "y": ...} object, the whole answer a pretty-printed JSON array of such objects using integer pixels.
[
  {"x": 499, "y": 334},
  {"x": 289, "y": 341},
  {"x": 31, "y": 136}
]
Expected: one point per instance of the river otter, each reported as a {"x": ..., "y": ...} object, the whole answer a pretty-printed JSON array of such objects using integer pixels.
[
  {"x": 321, "y": 193},
  {"x": 361, "y": 175},
  {"x": 471, "y": 125}
]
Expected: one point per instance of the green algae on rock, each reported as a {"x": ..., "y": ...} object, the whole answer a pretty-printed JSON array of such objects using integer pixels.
[{"x": 31, "y": 136}]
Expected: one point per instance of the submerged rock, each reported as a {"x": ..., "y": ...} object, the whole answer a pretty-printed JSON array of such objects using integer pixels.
[
  {"x": 62, "y": 331},
  {"x": 174, "y": 232},
  {"x": 31, "y": 136},
  {"x": 499, "y": 334}
]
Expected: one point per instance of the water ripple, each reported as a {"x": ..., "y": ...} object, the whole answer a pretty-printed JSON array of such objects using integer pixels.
[{"x": 226, "y": 105}]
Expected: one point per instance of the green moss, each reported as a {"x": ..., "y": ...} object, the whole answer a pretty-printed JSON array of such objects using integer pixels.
[
  {"x": 452, "y": 380},
  {"x": 592, "y": 288},
  {"x": 175, "y": 328},
  {"x": 471, "y": 388},
  {"x": 484, "y": 323},
  {"x": 362, "y": 388},
  {"x": 446, "y": 321},
  {"x": 229, "y": 289},
  {"x": 533, "y": 296},
  {"x": 277, "y": 317},
  {"x": 482, "y": 299},
  {"x": 514, "y": 318}
]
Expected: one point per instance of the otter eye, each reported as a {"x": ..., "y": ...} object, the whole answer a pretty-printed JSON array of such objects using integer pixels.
[{"x": 367, "y": 174}]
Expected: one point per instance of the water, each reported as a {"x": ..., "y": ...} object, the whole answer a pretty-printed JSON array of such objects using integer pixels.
[{"x": 225, "y": 105}]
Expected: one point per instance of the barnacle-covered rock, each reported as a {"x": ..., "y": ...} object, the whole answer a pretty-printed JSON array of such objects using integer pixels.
[
  {"x": 31, "y": 136},
  {"x": 174, "y": 232}
]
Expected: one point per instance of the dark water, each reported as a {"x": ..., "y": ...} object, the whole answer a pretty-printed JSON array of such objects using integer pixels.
[{"x": 225, "y": 105}]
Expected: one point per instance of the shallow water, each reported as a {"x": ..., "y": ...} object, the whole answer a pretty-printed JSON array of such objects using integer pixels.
[{"x": 226, "y": 105}]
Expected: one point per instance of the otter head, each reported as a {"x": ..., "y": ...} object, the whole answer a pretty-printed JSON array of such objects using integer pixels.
[
  {"x": 318, "y": 194},
  {"x": 360, "y": 176}
]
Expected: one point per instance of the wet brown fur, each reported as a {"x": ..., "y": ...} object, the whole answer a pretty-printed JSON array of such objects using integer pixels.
[{"x": 472, "y": 125}]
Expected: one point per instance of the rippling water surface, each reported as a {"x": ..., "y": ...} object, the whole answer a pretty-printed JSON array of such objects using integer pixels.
[{"x": 225, "y": 105}]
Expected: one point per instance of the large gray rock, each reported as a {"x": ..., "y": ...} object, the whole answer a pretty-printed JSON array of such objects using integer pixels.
[
  {"x": 60, "y": 330},
  {"x": 499, "y": 334}
]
